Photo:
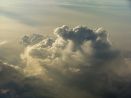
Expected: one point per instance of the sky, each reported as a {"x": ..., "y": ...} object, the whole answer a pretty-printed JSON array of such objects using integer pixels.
[
  {"x": 65, "y": 48},
  {"x": 43, "y": 16}
]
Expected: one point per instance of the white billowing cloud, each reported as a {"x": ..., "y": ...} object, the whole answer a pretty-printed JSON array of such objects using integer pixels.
[{"x": 67, "y": 52}]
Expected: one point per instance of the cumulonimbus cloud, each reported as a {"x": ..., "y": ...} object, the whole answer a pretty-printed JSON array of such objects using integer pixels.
[
  {"x": 69, "y": 50},
  {"x": 75, "y": 63}
]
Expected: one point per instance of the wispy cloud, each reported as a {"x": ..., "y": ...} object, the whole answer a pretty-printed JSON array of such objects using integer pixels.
[
  {"x": 18, "y": 17},
  {"x": 3, "y": 42}
]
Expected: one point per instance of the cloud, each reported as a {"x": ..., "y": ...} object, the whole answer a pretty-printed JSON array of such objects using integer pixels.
[
  {"x": 79, "y": 61},
  {"x": 3, "y": 42},
  {"x": 71, "y": 49},
  {"x": 75, "y": 63},
  {"x": 129, "y": 1},
  {"x": 31, "y": 39},
  {"x": 14, "y": 85},
  {"x": 18, "y": 17}
]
